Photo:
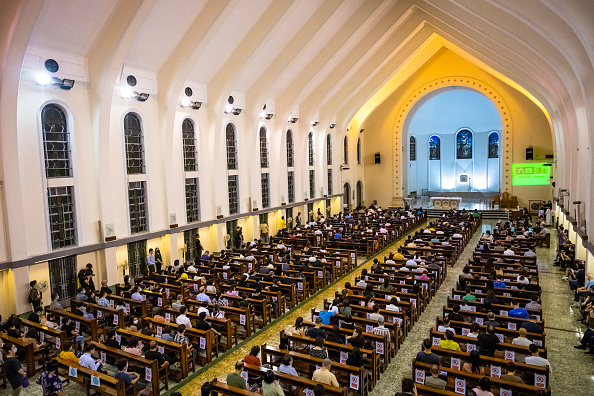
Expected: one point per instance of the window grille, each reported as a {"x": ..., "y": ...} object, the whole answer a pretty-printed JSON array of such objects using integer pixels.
[
  {"x": 134, "y": 144},
  {"x": 329, "y": 181},
  {"x": 494, "y": 145},
  {"x": 263, "y": 148},
  {"x": 189, "y": 145},
  {"x": 413, "y": 149},
  {"x": 192, "y": 200},
  {"x": 233, "y": 189},
  {"x": 346, "y": 150},
  {"x": 434, "y": 148},
  {"x": 190, "y": 242},
  {"x": 265, "y": 190},
  {"x": 328, "y": 150},
  {"x": 55, "y": 142},
  {"x": 290, "y": 158},
  {"x": 310, "y": 149},
  {"x": 312, "y": 183},
  {"x": 137, "y": 253},
  {"x": 61, "y": 217},
  {"x": 137, "y": 203},
  {"x": 291, "y": 186},
  {"x": 231, "y": 148},
  {"x": 359, "y": 151},
  {"x": 62, "y": 272}
]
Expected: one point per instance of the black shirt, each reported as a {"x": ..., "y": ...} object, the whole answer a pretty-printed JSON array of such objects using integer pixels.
[
  {"x": 456, "y": 317},
  {"x": 15, "y": 333},
  {"x": 155, "y": 355},
  {"x": 315, "y": 333},
  {"x": 112, "y": 343},
  {"x": 34, "y": 317},
  {"x": 358, "y": 341},
  {"x": 12, "y": 367},
  {"x": 429, "y": 358},
  {"x": 532, "y": 327},
  {"x": 356, "y": 362},
  {"x": 487, "y": 344},
  {"x": 203, "y": 325}
]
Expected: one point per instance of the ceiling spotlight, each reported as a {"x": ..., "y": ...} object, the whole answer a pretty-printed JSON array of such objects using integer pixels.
[
  {"x": 293, "y": 120},
  {"x": 315, "y": 123},
  {"x": 141, "y": 97},
  {"x": 348, "y": 129},
  {"x": 126, "y": 93},
  {"x": 264, "y": 114},
  {"x": 67, "y": 84},
  {"x": 185, "y": 102},
  {"x": 195, "y": 105},
  {"x": 236, "y": 111},
  {"x": 332, "y": 126},
  {"x": 43, "y": 79}
]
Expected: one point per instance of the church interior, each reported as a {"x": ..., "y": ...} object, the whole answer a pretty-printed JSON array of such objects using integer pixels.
[{"x": 296, "y": 197}]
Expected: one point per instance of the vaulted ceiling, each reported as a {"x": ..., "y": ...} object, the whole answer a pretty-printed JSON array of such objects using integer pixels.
[{"x": 332, "y": 57}]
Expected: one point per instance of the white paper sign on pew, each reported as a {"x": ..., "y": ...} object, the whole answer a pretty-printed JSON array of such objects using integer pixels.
[
  {"x": 159, "y": 331},
  {"x": 354, "y": 382},
  {"x": 167, "y": 317},
  {"x": 343, "y": 357},
  {"x": 414, "y": 302},
  {"x": 338, "y": 264},
  {"x": 58, "y": 343},
  {"x": 368, "y": 328},
  {"x": 510, "y": 355},
  {"x": 300, "y": 286},
  {"x": 455, "y": 363},
  {"x": 503, "y": 312},
  {"x": 505, "y": 392},
  {"x": 161, "y": 349},
  {"x": 479, "y": 321},
  {"x": 500, "y": 336},
  {"x": 472, "y": 308},
  {"x": 116, "y": 320},
  {"x": 202, "y": 343},
  {"x": 456, "y": 297},
  {"x": 540, "y": 381},
  {"x": 511, "y": 326},
  {"x": 159, "y": 302},
  {"x": 435, "y": 341},
  {"x": 470, "y": 348},
  {"x": 379, "y": 348},
  {"x": 308, "y": 392},
  {"x": 478, "y": 291},
  {"x": 320, "y": 274},
  {"x": 465, "y": 331},
  {"x": 496, "y": 371},
  {"x": 242, "y": 320},
  {"x": 506, "y": 295},
  {"x": 460, "y": 386},
  {"x": 538, "y": 343},
  {"x": 103, "y": 356},
  {"x": 127, "y": 306},
  {"x": 244, "y": 375},
  {"x": 420, "y": 376}
]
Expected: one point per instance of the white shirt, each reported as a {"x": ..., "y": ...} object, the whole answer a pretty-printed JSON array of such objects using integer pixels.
[
  {"x": 538, "y": 361},
  {"x": 508, "y": 252},
  {"x": 457, "y": 235},
  {"x": 191, "y": 268},
  {"x": 526, "y": 280},
  {"x": 183, "y": 319},
  {"x": 443, "y": 329},
  {"x": 529, "y": 253},
  {"x": 392, "y": 307},
  {"x": 86, "y": 360},
  {"x": 411, "y": 262},
  {"x": 472, "y": 335},
  {"x": 361, "y": 283},
  {"x": 203, "y": 309},
  {"x": 523, "y": 341}
]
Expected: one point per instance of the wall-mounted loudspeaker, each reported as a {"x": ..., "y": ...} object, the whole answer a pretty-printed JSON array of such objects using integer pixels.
[
  {"x": 529, "y": 153},
  {"x": 377, "y": 158}
]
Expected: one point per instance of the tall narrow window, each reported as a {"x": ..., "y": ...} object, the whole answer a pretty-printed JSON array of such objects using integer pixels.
[
  {"x": 189, "y": 145},
  {"x": 231, "y": 147},
  {"x": 192, "y": 200},
  {"x": 464, "y": 144},
  {"x": 328, "y": 150},
  {"x": 329, "y": 181},
  {"x": 137, "y": 258},
  {"x": 310, "y": 149},
  {"x": 413, "y": 149},
  {"x": 62, "y": 272},
  {"x": 56, "y": 143},
  {"x": 494, "y": 145},
  {"x": 265, "y": 190},
  {"x": 134, "y": 144},
  {"x": 359, "y": 151},
  {"x": 312, "y": 183},
  {"x": 346, "y": 150},
  {"x": 290, "y": 157},
  {"x": 61, "y": 217},
  {"x": 434, "y": 148},
  {"x": 137, "y": 203},
  {"x": 263, "y": 148},
  {"x": 233, "y": 189},
  {"x": 291, "y": 186},
  {"x": 190, "y": 242}
]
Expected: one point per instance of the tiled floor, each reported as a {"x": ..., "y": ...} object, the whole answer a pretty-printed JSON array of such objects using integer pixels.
[{"x": 573, "y": 372}]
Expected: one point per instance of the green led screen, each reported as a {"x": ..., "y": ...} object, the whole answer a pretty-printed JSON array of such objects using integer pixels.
[{"x": 531, "y": 174}]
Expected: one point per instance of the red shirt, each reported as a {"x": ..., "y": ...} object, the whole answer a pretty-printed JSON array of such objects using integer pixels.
[{"x": 249, "y": 359}]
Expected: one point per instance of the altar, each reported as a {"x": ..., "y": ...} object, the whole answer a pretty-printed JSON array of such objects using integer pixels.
[{"x": 445, "y": 202}]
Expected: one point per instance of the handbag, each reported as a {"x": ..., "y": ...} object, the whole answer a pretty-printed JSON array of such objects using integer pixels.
[{"x": 26, "y": 382}]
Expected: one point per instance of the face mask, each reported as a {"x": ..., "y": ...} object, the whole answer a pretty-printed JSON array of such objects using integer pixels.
[
  {"x": 135, "y": 321},
  {"x": 14, "y": 350}
]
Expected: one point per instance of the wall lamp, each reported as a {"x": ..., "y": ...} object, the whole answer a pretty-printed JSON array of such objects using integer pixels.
[
  {"x": 315, "y": 123},
  {"x": 127, "y": 93},
  {"x": 185, "y": 102},
  {"x": 43, "y": 79},
  {"x": 293, "y": 120},
  {"x": 332, "y": 126},
  {"x": 232, "y": 110},
  {"x": 266, "y": 115}
]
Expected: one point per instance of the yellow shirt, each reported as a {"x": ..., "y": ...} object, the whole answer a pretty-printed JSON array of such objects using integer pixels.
[
  {"x": 283, "y": 224},
  {"x": 449, "y": 344},
  {"x": 324, "y": 376},
  {"x": 184, "y": 276},
  {"x": 398, "y": 256},
  {"x": 69, "y": 356}
]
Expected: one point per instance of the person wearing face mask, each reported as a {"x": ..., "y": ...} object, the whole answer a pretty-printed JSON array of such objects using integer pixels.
[
  {"x": 134, "y": 325},
  {"x": 130, "y": 379},
  {"x": 14, "y": 372},
  {"x": 55, "y": 305}
]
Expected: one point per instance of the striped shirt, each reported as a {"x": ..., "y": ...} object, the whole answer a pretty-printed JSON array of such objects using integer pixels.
[{"x": 382, "y": 331}]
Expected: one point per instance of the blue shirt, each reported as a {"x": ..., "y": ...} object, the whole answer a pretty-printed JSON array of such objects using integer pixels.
[
  {"x": 150, "y": 259},
  {"x": 203, "y": 297},
  {"x": 519, "y": 313},
  {"x": 326, "y": 315},
  {"x": 499, "y": 285},
  {"x": 337, "y": 236}
]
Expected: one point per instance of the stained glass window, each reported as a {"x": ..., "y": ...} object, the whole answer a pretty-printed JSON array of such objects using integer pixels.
[
  {"x": 464, "y": 144},
  {"x": 494, "y": 145},
  {"x": 434, "y": 148},
  {"x": 413, "y": 148}
]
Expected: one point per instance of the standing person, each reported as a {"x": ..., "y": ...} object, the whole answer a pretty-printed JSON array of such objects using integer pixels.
[
  {"x": 298, "y": 220},
  {"x": 50, "y": 381},
  {"x": 14, "y": 372},
  {"x": 158, "y": 260},
  {"x": 199, "y": 247},
  {"x": 34, "y": 295},
  {"x": 86, "y": 272},
  {"x": 283, "y": 224},
  {"x": 150, "y": 261},
  {"x": 264, "y": 232},
  {"x": 238, "y": 238}
]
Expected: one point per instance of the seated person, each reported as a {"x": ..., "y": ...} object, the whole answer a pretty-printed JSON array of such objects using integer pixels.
[
  {"x": 434, "y": 381},
  {"x": 449, "y": 342},
  {"x": 131, "y": 380}
]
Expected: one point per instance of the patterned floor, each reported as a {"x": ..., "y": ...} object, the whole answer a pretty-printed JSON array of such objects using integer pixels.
[{"x": 563, "y": 332}]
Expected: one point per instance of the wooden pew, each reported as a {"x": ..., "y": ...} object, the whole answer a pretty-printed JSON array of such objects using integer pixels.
[
  {"x": 108, "y": 384},
  {"x": 31, "y": 356}
]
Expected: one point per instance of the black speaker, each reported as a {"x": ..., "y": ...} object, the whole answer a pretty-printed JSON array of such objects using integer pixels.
[
  {"x": 377, "y": 158},
  {"x": 529, "y": 153}
]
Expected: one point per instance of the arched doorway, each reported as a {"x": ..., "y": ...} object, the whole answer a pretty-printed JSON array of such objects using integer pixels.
[
  {"x": 359, "y": 193},
  {"x": 347, "y": 196}
]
